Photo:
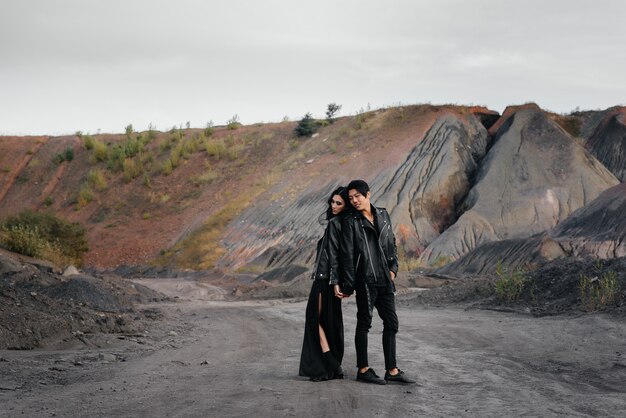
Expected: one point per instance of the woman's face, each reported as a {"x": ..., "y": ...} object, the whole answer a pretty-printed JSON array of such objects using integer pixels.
[{"x": 337, "y": 204}]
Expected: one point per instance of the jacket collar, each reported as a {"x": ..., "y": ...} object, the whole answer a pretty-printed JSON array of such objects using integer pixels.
[{"x": 359, "y": 215}]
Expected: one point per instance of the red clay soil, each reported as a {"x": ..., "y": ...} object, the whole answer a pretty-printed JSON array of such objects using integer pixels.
[{"x": 130, "y": 223}]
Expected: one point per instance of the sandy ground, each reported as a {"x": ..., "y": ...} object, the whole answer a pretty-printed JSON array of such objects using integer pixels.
[{"x": 208, "y": 357}]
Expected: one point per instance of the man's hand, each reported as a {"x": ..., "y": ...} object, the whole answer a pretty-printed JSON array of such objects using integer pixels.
[{"x": 393, "y": 275}]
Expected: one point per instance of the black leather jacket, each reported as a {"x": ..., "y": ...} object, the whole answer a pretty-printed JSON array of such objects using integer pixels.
[
  {"x": 327, "y": 259},
  {"x": 366, "y": 253}
]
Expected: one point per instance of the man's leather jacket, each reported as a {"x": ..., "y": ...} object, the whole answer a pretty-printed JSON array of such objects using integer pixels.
[
  {"x": 327, "y": 259},
  {"x": 366, "y": 253}
]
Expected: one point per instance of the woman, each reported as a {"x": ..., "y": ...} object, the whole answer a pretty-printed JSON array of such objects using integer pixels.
[{"x": 322, "y": 349}]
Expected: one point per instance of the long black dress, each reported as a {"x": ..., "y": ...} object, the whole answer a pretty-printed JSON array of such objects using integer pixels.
[{"x": 312, "y": 362}]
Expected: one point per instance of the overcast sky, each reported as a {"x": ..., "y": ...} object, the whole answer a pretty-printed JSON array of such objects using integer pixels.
[{"x": 98, "y": 65}]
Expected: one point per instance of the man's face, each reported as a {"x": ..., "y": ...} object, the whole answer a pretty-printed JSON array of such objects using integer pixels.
[{"x": 359, "y": 201}]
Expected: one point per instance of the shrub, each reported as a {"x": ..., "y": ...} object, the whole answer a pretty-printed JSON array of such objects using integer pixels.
[
  {"x": 69, "y": 153},
  {"x": 89, "y": 142},
  {"x": 166, "y": 168},
  {"x": 208, "y": 131},
  {"x": 23, "y": 239},
  {"x": 46, "y": 236},
  {"x": 100, "y": 151},
  {"x": 306, "y": 126},
  {"x": 48, "y": 201},
  {"x": 598, "y": 291},
  {"x": 146, "y": 180},
  {"x": 58, "y": 158},
  {"x": 85, "y": 195},
  {"x": 215, "y": 148},
  {"x": 509, "y": 285},
  {"x": 131, "y": 170},
  {"x": 97, "y": 180},
  {"x": 205, "y": 178},
  {"x": 233, "y": 123},
  {"x": 175, "y": 156}
]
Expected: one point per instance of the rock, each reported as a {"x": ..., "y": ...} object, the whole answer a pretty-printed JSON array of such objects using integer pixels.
[
  {"x": 422, "y": 195},
  {"x": 107, "y": 357},
  {"x": 608, "y": 142},
  {"x": 70, "y": 271},
  {"x": 597, "y": 230},
  {"x": 534, "y": 177}
]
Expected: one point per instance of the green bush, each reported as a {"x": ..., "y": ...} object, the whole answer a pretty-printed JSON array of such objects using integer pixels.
[
  {"x": 69, "y": 153},
  {"x": 131, "y": 170},
  {"x": 44, "y": 235},
  {"x": 97, "y": 180},
  {"x": 208, "y": 131},
  {"x": 598, "y": 291},
  {"x": 89, "y": 142},
  {"x": 85, "y": 195},
  {"x": 509, "y": 285},
  {"x": 233, "y": 123},
  {"x": 215, "y": 148},
  {"x": 166, "y": 168},
  {"x": 100, "y": 151}
]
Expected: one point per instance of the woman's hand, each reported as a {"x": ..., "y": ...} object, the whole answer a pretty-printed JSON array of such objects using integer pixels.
[{"x": 338, "y": 292}]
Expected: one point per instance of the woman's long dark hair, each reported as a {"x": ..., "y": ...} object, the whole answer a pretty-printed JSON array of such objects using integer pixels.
[{"x": 341, "y": 191}]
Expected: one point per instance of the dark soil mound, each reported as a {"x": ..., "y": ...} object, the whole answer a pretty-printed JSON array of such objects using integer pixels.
[
  {"x": 608, "y": 142},
  {"x": 551, "y": 290},
  {"x": 282, "y": 274},
  {"x": 38, "y": 306}
]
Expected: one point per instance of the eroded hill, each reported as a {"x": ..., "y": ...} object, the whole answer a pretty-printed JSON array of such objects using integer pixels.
[{"x": 250, "y": 198}]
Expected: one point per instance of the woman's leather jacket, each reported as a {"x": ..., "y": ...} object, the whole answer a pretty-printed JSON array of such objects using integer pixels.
[{"x": 327, "y": 259}]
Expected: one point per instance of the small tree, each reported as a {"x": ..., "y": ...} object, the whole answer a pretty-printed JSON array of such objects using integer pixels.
[
  {"x": 332, "y": 110},
  {"x": 306, "y": 126},
  {"x": 129, "y": 129}
]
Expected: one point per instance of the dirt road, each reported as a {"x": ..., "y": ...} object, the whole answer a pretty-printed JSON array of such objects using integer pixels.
[{"x": 216, "y": 358}]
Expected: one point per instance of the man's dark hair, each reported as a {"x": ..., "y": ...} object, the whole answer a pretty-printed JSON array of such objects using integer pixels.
[{"x": 360, "y": 186}]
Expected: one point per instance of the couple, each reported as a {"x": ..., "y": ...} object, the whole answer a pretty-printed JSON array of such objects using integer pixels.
[{"x": 357, "y": 252}]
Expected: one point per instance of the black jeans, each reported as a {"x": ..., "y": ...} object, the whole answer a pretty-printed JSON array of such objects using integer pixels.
[{"x": 383, "y": 299}]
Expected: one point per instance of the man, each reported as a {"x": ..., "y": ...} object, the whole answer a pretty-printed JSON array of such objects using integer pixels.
[{"x": 370, "y": 261}]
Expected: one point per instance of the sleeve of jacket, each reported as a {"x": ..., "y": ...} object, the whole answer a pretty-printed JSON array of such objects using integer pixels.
[
  {"x": 393, "y": 262},
  {"x": 334, "y": 235},
  {"x": 346, "y": 255}
]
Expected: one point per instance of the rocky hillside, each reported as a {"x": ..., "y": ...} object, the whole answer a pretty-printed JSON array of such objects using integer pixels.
[{"x": 249, "y": 198}]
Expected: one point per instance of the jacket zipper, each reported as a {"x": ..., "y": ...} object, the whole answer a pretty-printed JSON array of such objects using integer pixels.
[
  {"x": 358, "y": 259},
  {"x": 369, "y": 253}
]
